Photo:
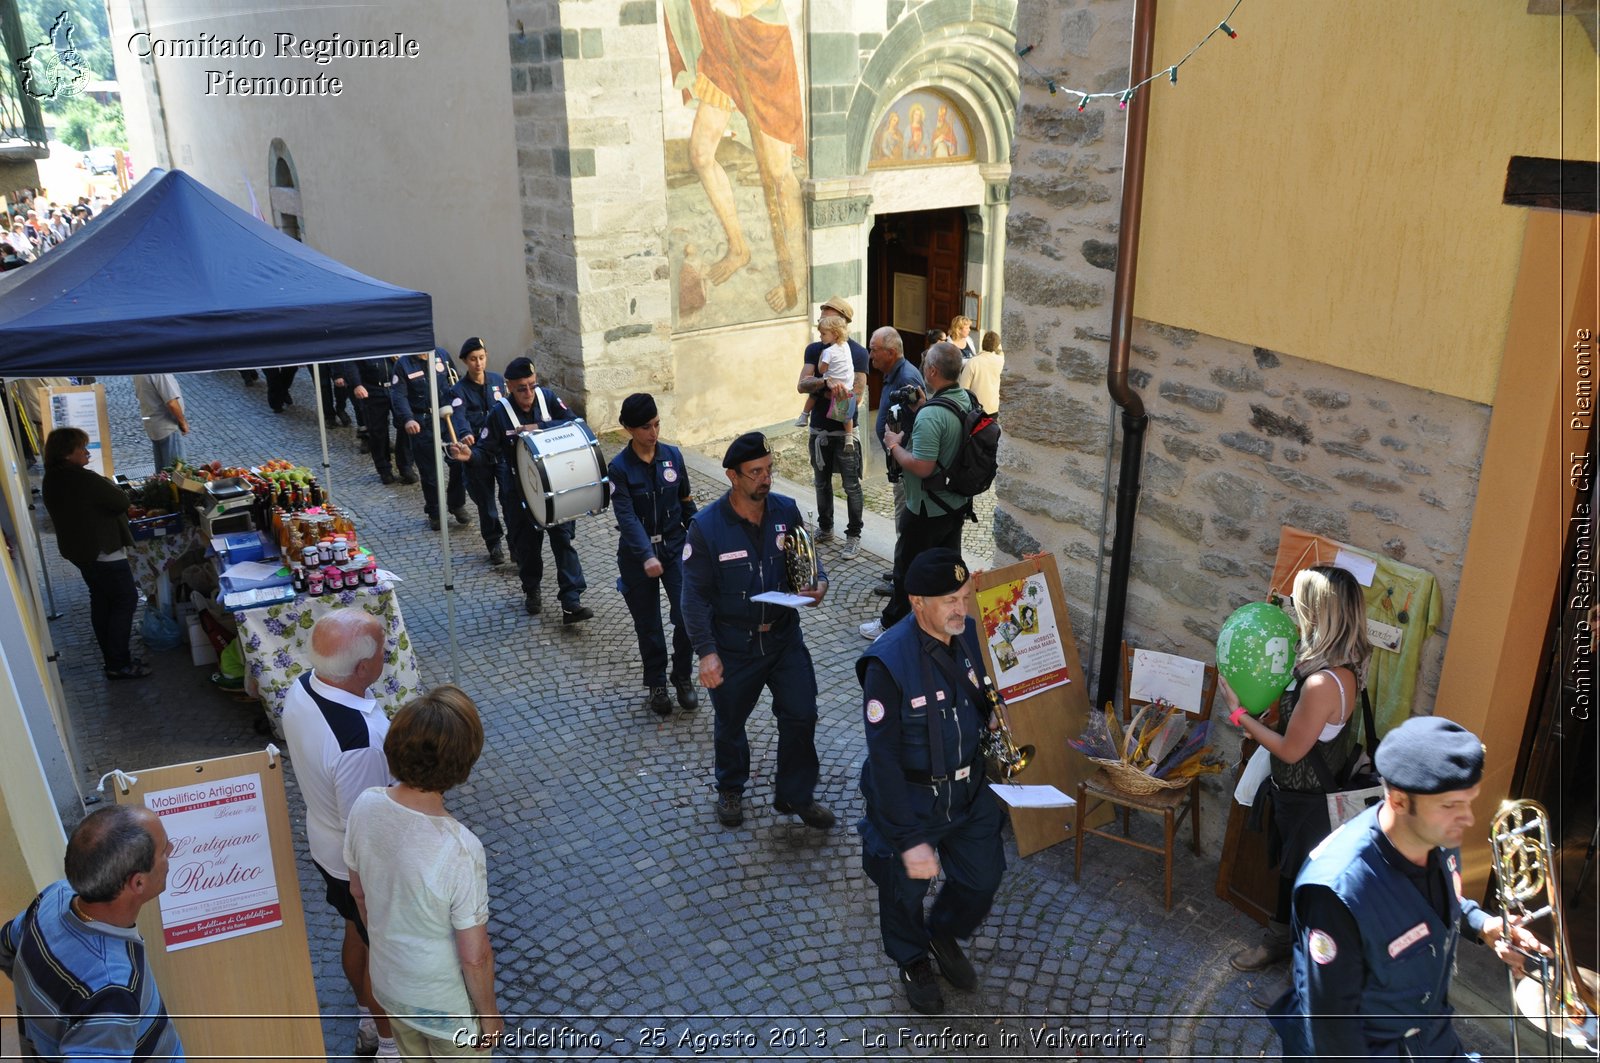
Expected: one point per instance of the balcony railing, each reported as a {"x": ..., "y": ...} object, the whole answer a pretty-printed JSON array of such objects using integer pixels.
[{"x": 22, "y": 132}]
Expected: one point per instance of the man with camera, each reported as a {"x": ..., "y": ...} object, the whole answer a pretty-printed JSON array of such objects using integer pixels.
[
  {"x": 932, "y": 516},
  {"x": 903, "y": 391}
]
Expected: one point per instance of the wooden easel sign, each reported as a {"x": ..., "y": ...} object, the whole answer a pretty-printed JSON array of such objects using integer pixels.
[
  {"x": 1032, "y": 656},
  {"x": 227, "y": 940},
  {"x": 81, "y": 406}
]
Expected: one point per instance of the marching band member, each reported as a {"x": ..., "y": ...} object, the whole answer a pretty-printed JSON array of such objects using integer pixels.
[
  {"x": 923, "y": 780},
  {"x": 480, "y": 390},
  {"x": 408, "y": 395},
  {"x": 652, "y": 502},
  {"x": 530, "y": 407},
  {"x": 735, "y": 551}
]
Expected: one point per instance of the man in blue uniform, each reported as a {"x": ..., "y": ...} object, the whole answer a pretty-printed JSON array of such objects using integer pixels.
[
  {"x": 887, "y": 352},
  {"x": 529, "y": 407},
  {"x": 653, "y": 505},
  {"x": 480, "y": 390},
  {"x": 1378, "y": 910},
  {"x": 923, "y": 780},
  {"x": 735, "y": 551},
  {"x": 408, "y": 395},
  {"x": 372, "y": 389}
]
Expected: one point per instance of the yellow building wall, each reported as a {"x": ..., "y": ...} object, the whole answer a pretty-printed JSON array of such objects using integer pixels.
[{"x": 1329, "y": 184}]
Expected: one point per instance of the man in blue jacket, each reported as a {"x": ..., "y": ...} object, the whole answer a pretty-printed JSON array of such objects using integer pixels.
[
  {"x": 408, "y": 395},
  {"x": 653, "y": 504},
  {"x": 480, "y": 390},
  {"x": 735, "y": 551},
  {"x": 1378, "y": 910},
  {"x": 923, "y": 780}
]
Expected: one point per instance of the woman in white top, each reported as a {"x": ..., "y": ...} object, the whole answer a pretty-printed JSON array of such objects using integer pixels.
[
  {"x": 1313, "y": 726},
  {"x": 420, "y": 879}
]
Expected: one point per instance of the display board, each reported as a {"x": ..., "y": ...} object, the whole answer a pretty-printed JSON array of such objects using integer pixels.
[
  {"x": 81, "y": 406},
  {"x": 227, "y": 940},
  {"x": 1053, "y": 707}
]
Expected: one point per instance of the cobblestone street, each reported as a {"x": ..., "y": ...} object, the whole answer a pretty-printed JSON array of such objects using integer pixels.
[{"x": 627, "y": 923}]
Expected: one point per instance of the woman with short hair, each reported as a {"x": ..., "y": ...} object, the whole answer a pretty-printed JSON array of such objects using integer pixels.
[
  {"x": 421, "y": 882},
  {"x": 961, "y": 336}
]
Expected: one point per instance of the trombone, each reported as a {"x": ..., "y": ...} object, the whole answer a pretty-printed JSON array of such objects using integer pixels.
[{"x": 1529, "y": 889}]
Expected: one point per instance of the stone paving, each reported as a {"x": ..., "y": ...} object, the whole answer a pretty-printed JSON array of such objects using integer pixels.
[{"x": 627, "y": 923}]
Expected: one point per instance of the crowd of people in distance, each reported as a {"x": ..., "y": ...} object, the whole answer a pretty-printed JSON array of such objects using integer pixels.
[{"x": 34, "y": 225}]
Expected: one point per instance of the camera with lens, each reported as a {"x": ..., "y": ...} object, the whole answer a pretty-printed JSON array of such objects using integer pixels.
[{"x": 902, "y": 405}]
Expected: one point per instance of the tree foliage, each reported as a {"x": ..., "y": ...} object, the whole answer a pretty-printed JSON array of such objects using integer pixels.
[{"x": 92, "y": 31}]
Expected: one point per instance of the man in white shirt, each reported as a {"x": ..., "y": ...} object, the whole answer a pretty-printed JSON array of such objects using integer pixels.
[
  {"x": 335, "y": 731},
  {"x": 161, "y": 407}
]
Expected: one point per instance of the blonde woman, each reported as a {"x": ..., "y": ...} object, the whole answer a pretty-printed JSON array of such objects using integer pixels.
[
  {"x": 961, "y": 336},
  {"x": 981, "y": 375},
  {"x": 1314, "y": 717}
]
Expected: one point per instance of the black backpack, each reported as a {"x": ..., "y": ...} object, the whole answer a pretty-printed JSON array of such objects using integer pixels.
[{"x": 971, "y": 472}]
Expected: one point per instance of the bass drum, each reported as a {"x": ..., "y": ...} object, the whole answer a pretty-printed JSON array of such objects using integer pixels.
[{"x": 563, "y": 473}]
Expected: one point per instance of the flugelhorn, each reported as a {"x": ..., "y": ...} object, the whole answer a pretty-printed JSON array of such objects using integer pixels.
[
  {"x": 1529, "y": 889},
  {"x": 800, "y": 559},
  {"x": 1001, "y": 753}
]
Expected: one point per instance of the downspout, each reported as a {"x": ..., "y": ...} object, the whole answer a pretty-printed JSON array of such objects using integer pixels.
[{"x": 1134, "y": 419}]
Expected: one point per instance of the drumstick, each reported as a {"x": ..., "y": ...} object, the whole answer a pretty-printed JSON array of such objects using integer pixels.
[{"x": 448, "y": 413}]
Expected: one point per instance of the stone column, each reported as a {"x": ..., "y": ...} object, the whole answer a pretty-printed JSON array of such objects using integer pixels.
[
  {"x": 996, "y": 209},
  {"x": 838, "y": 214}
]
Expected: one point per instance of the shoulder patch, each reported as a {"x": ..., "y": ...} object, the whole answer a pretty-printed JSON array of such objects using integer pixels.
[
  {"x": 688, "y": 548},
  {"x": 875, "y": 711},
  {"x": 669, "y": 474},
  {"x": 1319, "y": 943}
]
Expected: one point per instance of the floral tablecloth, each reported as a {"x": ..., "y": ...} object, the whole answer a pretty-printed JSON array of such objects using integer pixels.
[
  {"x": 275, "y": 640},
  {"x": 150, "y": 557}
]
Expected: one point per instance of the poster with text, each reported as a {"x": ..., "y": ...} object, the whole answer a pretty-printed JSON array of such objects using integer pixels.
[
  {"x": 220, "y": 882},
  {"x": 1019, "y": 620},
  {"x": 81, "y": 406}
]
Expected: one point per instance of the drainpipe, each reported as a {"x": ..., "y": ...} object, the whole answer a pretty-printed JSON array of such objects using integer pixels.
[{"x": 1134, "y": 419}]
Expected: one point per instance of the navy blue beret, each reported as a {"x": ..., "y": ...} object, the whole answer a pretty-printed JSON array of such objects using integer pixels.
[
  {"x": 519, "y": 369},
  {"x": 936, "y": 572},
  {"x": 473, "y": 344},
  {"x": 748, "y": 447},
  {"x": 638, "y": 410},
  {"x": 1430, "y": 755}
]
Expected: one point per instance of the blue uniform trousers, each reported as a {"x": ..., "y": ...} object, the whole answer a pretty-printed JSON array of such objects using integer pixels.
[
  {"x": 527, "y": 546},
  {"x": 644, "y": 604},
  {"x": 481, "y": 486},
  {"x": 786, "y": 670},
  {"x": 972, "y": 858},
  {"x": 455, "y": 492}
]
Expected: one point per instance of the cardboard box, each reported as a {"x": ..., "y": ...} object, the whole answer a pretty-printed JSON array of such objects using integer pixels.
[{"x": 200, "y": 649}]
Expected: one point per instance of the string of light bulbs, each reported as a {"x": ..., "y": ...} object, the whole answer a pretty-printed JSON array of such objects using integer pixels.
[{"x": 1125, "y": 96}]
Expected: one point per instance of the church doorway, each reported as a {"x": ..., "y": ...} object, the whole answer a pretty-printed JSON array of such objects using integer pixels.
[{"x": 916, "y": 264}]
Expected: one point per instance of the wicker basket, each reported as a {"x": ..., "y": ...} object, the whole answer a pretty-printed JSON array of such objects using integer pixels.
[{"x": 1129, "y": 779}]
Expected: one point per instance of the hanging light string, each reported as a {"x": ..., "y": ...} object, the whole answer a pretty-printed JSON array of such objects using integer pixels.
[{"x": 1125, "y": 96}]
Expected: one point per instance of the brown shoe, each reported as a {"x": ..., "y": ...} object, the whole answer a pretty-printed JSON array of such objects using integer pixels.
[{"x": 1259, "y": 957}]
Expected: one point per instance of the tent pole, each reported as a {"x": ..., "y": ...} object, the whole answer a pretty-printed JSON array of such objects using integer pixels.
[
  {"x": 17, "y": 414},
  {"x": 440, "y": 496},
  {"x": 322, "y": 428}
]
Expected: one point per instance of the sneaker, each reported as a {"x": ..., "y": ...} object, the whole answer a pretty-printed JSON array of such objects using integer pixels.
[
  {"x": 953, "y": 963},
  {"x": 814, "y": 814},
  {"x": 852, "y": 547},
  {"x": 803, "y": 420},
  {"x": 688, "y": 696},
  {"x": 576, "y": 616},
  {"x": 408, "y": 477},
  {"x": 922, "y": 989},
  {"x": 823, "y": 535},
  {"x": 135, "y": 669},
  {"x": 660, "y": 701},
  {"x": 460, "y": 515},
  {"x": 366, "y": 1040},
  {"x": 883, "y": 589},
  {"x": 730, "y": 808},
  {"x": 1259, "y": 957},
  {"x": 871, "y": 630},
  {"x": 497, "y": 554},
  {"x": 433, "y": 521},
  {"x": 530, "y": 602}
]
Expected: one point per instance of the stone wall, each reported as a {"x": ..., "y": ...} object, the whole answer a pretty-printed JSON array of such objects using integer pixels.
[{"x": 1241, "y": 439}]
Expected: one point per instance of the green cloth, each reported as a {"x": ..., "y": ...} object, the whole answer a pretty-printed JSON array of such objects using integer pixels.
[
  {"x": 936, "y": 437},
  {"x": 1408, "y": 598}
]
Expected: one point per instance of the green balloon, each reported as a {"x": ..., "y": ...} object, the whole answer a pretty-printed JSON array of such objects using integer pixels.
[{"x": 1255, "y": 654}]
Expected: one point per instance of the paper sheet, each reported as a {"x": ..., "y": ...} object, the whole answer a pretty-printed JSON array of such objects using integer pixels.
[
  {"x": 1178, "y": 680},
  {"x": 253, "y": 570},
  {"x": 793, "y": 601},
  {"x": 1031, "y": 796}
]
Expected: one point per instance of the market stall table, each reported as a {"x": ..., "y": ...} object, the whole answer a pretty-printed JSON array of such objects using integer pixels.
[
  {"x": 275, "y": 640},
  {"x": 149, "y": 558}
]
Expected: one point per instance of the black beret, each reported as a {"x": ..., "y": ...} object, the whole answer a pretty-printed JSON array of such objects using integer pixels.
[
  {"x": 638, "y": 410},
  {"x": 748, "y": 447},
  {"x": 1430, "y": 755},
  {"x": 935, "y": 572},
  {"x": 473, "y": 344},
  {"x": 519, "y": 369}
]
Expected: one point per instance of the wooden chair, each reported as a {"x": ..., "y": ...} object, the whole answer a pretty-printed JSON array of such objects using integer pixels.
[{"x": 1171, "y": 805}]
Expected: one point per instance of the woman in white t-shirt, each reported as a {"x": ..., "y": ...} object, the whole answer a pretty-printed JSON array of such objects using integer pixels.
[{"x": 422, "y": 885}]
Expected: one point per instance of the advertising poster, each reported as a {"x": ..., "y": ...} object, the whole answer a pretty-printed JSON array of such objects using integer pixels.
[
  {"x": 1019, "y": 620},
  {"x": 81, "y": 406},
  {"x": 220, "y": 883}
]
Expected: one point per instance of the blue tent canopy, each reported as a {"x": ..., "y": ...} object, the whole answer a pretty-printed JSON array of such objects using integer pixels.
[{"x": 173, "y": 278}]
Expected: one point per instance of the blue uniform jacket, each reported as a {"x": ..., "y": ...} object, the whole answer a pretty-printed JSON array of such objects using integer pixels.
[
  {"x": 900, "y": 707},
  {"x": 725, "y": 561},
  {"x": 1407, "y": 952},
  {"x": 899, "y": 375},
  {"x": 477, "y": 400},
  {"x": 497, "y": 448},
  {"x": 653, "y": 507},
  {"x": 408, "y": 391}
]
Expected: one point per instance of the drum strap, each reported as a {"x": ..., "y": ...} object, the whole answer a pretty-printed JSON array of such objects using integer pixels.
[
  {"x": 511, "y": 412},
  {"x": 544, "y": 410}
]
